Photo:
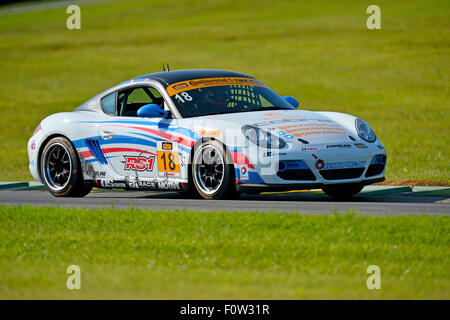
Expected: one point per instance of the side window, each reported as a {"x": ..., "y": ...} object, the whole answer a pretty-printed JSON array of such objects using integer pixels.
[
  {"x": 109, "y": 103},
  {"x": 131, "y": 100},
  {"x": 138, "y": 95},
  {"x": 155, "y": 93}
]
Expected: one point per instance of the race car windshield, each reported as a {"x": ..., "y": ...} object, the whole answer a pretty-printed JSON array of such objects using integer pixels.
[{"x": 203, "y": 97}]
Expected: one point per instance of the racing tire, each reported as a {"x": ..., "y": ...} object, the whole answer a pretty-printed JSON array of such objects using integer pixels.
[
  {"x": 342, "y": 191},
  {"x": 61, "y": 169},
  {"x": 213, "y": 171}
]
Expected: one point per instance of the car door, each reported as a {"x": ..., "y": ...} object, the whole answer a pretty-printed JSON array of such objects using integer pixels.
[{"x": 132, "y": 144}]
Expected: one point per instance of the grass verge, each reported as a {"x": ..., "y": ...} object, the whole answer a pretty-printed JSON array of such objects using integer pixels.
[{"x": 227, "y": 255}]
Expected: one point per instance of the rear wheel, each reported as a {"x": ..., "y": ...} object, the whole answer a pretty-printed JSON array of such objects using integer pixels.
[
  {"x": 212, "y": 174},
  {"x": 61, "y": 169},
  {"x": 342, "y": 191}
]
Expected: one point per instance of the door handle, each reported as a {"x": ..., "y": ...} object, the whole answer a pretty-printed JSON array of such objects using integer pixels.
[{"x": 107, "y": 134}]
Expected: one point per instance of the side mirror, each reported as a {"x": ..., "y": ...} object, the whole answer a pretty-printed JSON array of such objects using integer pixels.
[
  {"x": 292, "y": 101},
  {"x": 151, "y": 111}
]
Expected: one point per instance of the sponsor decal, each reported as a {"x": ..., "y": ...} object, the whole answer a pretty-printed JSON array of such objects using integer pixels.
[
  {"x": 180, "y": 86},
  {"x": 209, "y": 133},
  {"x": 166, "y": 145},
  {"x": 168, "y": 185},
  {"x": 138, "y": 163},
  {"x": 90, "y": 171},
  {"x": 142, "y": 184},
  {"x": 360, "y": 145},
  {"x": 319, "y": 164},
  {"x": 339, "y": 146},
  {"x": 112, "y": 184},
  {"x": 281, "y": 121},
  {"x": 243, "y": 173},
  {"x": 321, "y": 127},
  {"x": 168, "y": 162},
  {"x": 211, "y": 82},
  {"x": 272, "y": 114},
  {"x": 100, "y": 174},
  {"x": 33, "y": 145},
  {"x": 31, "y": 164},
  {"x": 182, "y": 160},
  {"x": 168, "y": 158},
  {"x": 271, "y": 153},
  {"x": 380, "y": 147},
  {"x": 310, "y": 148},
  {"x": 344, "y": 165},
  {"x": 300, "y": 128}
]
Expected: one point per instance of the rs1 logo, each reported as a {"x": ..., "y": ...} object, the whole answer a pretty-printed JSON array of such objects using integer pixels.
[{"x": 139, "y": 163}]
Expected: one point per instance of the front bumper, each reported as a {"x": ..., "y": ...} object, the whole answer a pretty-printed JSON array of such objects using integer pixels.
[
  {"x": 33, "y": 151},
  {"x": 258, "y": 187},
  {"x": 317, "y": 166}
]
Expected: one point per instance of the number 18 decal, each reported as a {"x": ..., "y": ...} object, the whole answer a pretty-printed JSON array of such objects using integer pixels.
[
  {"x": 184, "y": 96},
  {"x": 168, "y": 160}
]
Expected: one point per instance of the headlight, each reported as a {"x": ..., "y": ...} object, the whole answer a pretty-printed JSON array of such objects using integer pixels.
[
  {"x": 262, "y": 138},
  {"x": 365, "y": 131}
]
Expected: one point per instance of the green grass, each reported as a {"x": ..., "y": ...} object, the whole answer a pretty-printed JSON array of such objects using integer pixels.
[
  {"x": 181, "y": 254},
  {"x": 320, "y": 51}
]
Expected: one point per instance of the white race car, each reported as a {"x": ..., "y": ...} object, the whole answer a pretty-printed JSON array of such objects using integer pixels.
[{"x": 214, "y": 133}]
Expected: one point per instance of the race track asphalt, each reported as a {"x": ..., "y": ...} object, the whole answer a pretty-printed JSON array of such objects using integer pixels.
[{"x": 301, "y": 202}]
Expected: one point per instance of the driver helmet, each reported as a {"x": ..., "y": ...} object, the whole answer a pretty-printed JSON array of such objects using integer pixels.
[{"x": 217, "y": 96}]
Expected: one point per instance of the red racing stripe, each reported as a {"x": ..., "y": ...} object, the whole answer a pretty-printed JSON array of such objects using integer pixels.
[
  {"x": 85, "y": 154},
  {"x": 240, "y": 158},
  {"x": 110, "y": 150},
  {"x": 184, "y": 141}
]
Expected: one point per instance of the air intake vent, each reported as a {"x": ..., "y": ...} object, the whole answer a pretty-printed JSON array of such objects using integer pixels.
[
  {"x": 295, "y": 170},
  {"x": 94, "y": 147},
  {"x": 339, "y": 174},
  {"x": 303, "y": 141},
  {"x": 376, "y": 166}
]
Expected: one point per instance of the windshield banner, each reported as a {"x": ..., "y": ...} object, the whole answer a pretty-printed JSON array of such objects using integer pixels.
[{"x": 212, "y": 82}]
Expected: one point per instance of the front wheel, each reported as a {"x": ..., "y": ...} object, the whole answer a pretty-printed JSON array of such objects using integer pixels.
[
  {"x": 342, "y": 191},
  {"x": 61, "y": 169},
  {"x": 212, "y": 175}
]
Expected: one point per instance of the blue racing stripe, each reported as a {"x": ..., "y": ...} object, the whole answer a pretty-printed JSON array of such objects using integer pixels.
[
  {"x": 170, "y": 127},
  {"x": 127, "y": 140},
  {"x": 181, "y": 147}
]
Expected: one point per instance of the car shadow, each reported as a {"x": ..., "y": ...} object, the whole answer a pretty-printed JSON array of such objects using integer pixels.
[{"x": 304, "y": 196}]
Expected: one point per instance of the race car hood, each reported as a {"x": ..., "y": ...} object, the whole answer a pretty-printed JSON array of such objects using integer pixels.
[{"x": 313, "y": 127}]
